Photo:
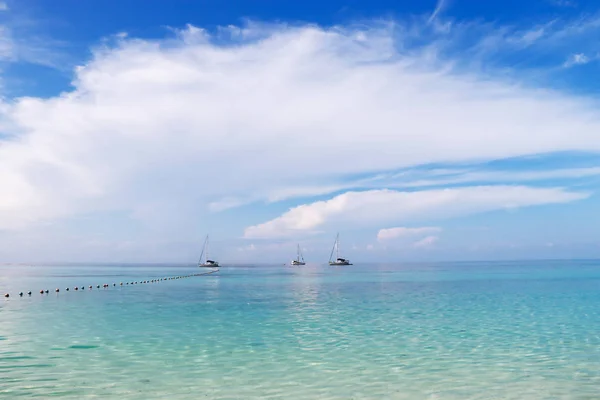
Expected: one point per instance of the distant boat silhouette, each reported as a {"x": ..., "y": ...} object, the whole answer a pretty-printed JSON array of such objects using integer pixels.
[{"x": 299, "y": 258}]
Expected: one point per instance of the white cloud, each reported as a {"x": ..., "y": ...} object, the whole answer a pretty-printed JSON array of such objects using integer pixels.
[
  {"x": 426, "y": 242},
  {"x": 250, "y": 247},
  {"x": 227, "y": 203},
  {"x": 160, "y": 129},
  {"x": 3, "y": 6},
  {"x": 564, "y": 3},
  {"x": 277, "y": 194},
  {"x": 393, "y": 233},
  {"x": 532, "y": 36},
  {"x": 577, "y": 59},
  {"x": 379, "y": 206}
]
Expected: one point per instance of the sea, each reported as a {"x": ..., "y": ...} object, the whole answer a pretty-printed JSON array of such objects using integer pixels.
[{"x": 471, "y": 330}]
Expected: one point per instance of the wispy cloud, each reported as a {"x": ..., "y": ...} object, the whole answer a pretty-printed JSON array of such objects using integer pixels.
[
  {"x": 400, "y": 232},
  {"x": 500, "y": 177},
  {"x": 539, "y": 49},
  {"x": 426, "y": 242},
  {"x": 409, "y": 178},
  {"x": 23, "y": 41},
  {"x": 579, "y": 59},
  {"x": 439, "y": 8}
]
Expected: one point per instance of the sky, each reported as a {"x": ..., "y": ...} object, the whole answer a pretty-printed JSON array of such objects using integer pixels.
[{"x": 418, "y": 130}]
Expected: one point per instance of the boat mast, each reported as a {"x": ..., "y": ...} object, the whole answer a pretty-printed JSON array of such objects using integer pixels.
[
  {"x": 204, "y": 250},
  {"x": 207, "y": 248},
  {"x": 335, "y": 247}
]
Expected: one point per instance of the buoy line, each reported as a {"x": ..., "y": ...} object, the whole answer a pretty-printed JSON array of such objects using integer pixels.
[{"x": 106, "y": 285}]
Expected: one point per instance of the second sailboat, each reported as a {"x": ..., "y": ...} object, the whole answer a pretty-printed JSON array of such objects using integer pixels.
[{"x": 338, "y": 259}]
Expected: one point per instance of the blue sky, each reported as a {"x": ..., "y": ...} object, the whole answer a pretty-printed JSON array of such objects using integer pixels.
[{"x": 421, "y": 130}]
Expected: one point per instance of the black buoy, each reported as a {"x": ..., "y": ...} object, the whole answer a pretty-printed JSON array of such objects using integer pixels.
[
  {"x": 20, "y": 294},
  {"x": 57, "y": 290},
  {"x": 47, "y": 291},
  {"x": 97, "y": 286},
  {"x": 90, "y": 287},
  {"x": 29, "y": 293},
  {"x": 7, "y": 295},
  {"x": 76, "y": 288},
  {"x": 41, "y": 292},
  {"x": 67, "y": 289},
  {"x": 121, "y": 284}
]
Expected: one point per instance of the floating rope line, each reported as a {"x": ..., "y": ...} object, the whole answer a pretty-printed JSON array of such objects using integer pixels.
[{"x": 107, "y": 286}]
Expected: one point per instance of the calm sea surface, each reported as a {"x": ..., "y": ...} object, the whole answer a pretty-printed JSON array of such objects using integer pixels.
[{"x": 518, "y": 330}]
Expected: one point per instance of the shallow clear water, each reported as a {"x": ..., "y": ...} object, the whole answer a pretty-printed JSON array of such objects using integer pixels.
[{"x": 522, "y": 330}]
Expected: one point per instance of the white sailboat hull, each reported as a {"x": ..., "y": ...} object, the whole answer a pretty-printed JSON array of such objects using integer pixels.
[
  {"x": 297, "y": 263},
  {"x": 213, "y": 265},
  {"x": 340, "y": 263}
]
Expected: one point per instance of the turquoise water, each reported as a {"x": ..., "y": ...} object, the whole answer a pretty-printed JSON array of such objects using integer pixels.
[{"x": 520, "y": 330}]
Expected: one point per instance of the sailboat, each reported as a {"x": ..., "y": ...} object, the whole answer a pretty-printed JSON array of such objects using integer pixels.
[
  {"x": 338, "y": 259},
  {"x": 207, "y": 263},
  {"x": 299, "y": 258}
]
